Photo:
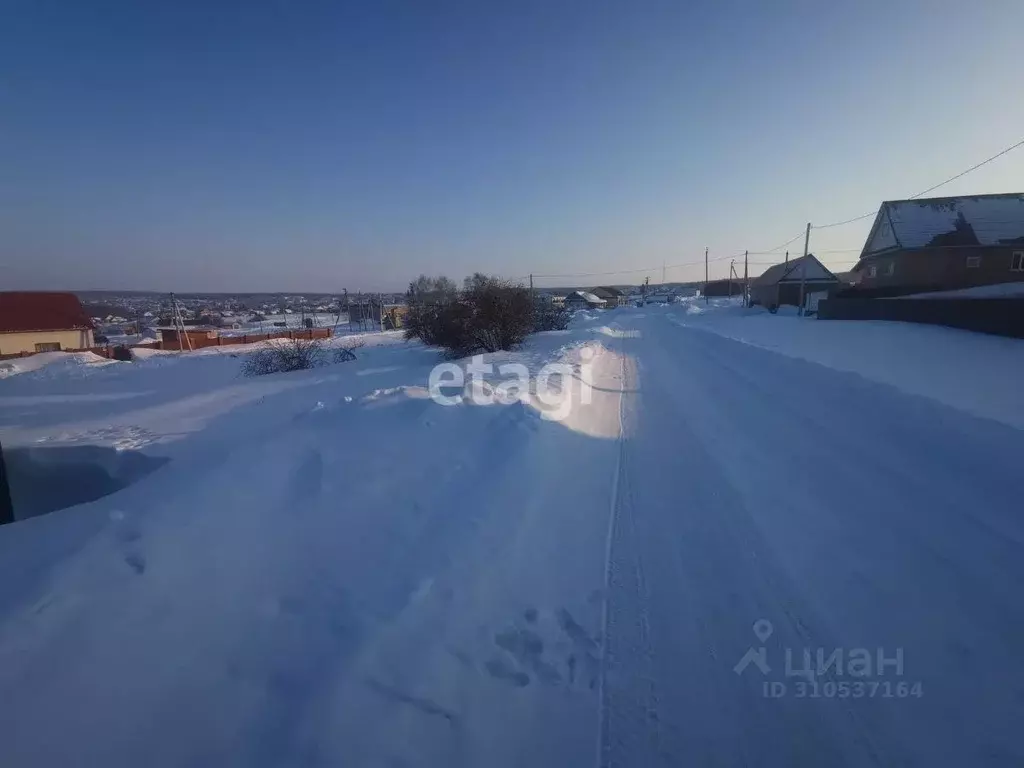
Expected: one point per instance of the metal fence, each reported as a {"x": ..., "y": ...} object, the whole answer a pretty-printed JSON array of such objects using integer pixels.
[{"x": 1000, "y": 316}]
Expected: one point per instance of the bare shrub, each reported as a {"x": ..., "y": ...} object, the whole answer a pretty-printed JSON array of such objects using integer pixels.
[
  {"x": 431, "y": 316},
  {"x": 501, "y": 314},
  {"x": 548, "y": 316},
  {"x": 122, "y": 353},
  {"x": 487, "y": 315},
  {"x": 346, "y": 353},
  {"x": 284, "y": 355}
]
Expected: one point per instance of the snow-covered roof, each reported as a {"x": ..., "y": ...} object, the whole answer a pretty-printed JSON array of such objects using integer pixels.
[
  {"x": 806, "y": 268},
  {"x": 947, "y": 221},
  {"x": 584, "y": 296}
]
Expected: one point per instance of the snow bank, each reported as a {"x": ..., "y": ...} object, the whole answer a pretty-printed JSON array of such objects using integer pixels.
[
  {"x": 56, "y": 364},
  {"x": 973, "y": 372},
  {"x": 318, "y": 547},
  {"x": 999, "y": 290}
]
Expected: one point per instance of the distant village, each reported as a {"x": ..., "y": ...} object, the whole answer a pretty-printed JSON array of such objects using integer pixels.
[
  {"x": 960, "y": 258},
  {"x": 114, "y": 314}
]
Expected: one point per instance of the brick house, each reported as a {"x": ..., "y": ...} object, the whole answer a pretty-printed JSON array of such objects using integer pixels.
[
  {"x": 941, "y": 244},
  {"x": 42, "y": 321}
]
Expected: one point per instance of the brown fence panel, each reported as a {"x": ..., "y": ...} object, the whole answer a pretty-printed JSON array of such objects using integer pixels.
[
  {"x": 1000, "y": 316},
  {"x": 198, "y": 342}
]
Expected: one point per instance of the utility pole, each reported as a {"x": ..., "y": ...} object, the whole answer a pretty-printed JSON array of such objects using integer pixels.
[
  {"x": 705, "y": 276},
  {"x": 337, "y": 318},
  {"x": 803, "y": 284},
  {"x": 787, "y": 257},
  {"x": 803, "y": 269},
  {"x": 174, "y": 320},
  {"x": 179, "y": 325},
  {"x": 746, "y": 278},
  {"x": 532, "y": 298},
  {"x": 731, "y": 270}
]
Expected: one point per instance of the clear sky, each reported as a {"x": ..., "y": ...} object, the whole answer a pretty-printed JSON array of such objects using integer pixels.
[{"x": 318, "y": 146}]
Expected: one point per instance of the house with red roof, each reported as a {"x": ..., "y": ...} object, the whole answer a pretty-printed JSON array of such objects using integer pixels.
[{"x": 42, "y": 321}]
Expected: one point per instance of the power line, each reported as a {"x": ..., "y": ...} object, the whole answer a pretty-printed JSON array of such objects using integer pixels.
[
  {"x": 930, "y": 189},
  {"x": 638, "y": 270},
  {"x": 779, "y": 247},
  {"x": 796, "y": 237},
  {"x": 972, "y": 168},
  {"x": 598, "y": 274},
  {"x": 848, "y": 221}
]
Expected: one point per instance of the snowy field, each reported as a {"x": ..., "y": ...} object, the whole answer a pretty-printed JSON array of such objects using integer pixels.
[{"x": 328, "y": 568}]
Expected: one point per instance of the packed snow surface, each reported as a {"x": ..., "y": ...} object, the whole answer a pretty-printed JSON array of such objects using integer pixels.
[{"x": 330, "y": 568}]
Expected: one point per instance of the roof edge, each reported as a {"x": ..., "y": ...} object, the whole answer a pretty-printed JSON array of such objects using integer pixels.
[{"x": 992, "y": 196}]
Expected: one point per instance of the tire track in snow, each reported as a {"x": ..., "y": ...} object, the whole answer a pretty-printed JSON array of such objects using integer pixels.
[
  {"x": 637, "y": 701},
  {"x": 612, "y": 518}
]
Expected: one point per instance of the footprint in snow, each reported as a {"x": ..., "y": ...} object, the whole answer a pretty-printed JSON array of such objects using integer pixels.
[
  {"x": 127, "y": 534},
  {"x": 571, "y": 655}
]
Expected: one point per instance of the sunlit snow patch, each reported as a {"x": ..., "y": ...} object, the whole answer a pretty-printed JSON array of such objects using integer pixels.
[{"x": 618, "y": 333}]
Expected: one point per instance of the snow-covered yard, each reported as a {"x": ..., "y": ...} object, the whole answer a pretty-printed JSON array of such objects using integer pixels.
[{"x": 327, "y": 567}]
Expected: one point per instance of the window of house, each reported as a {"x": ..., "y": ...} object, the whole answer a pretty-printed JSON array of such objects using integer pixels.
[
  {"x": 872, "y": 271},
  {"x": 1017, "y": 265},
  {"x": 890, "y": 269},
  {"x": 973, "y": 262},
  {"x": 48, "y": 346}
]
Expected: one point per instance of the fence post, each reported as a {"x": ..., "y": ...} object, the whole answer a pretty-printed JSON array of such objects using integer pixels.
[{"x": 6, "y": 505}]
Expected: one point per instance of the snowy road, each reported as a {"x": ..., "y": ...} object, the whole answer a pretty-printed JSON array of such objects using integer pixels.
[
  {"x": 849, "y": 516},
  {"x": 391, "y": 582}
]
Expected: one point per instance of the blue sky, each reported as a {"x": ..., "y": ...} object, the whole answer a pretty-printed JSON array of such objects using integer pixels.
[{"x": 320, "y": 146}]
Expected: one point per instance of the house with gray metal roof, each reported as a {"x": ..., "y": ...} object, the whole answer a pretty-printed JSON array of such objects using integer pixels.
[
  {"x": 791, "y": 282},
  {"x": 942, "y": 244}
]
